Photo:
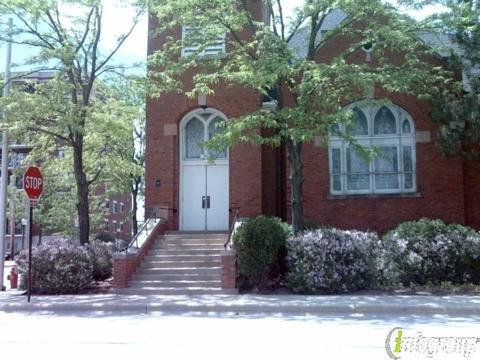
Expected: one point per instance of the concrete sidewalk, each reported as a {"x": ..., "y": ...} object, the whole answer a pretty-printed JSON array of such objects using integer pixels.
[{"x": 13, "y": 301}]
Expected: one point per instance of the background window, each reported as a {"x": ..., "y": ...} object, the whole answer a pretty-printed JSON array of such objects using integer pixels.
[{"x": 115, "y": 207}]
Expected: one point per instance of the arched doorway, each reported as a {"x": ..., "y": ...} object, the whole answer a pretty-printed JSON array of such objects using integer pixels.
[{"x": 204, "y": 184}]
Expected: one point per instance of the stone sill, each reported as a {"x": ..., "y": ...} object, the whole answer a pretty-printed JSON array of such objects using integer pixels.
[{"x": 374, "y": 196}]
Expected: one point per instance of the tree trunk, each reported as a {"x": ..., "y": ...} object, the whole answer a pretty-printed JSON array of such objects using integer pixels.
[
  {"x": 83, "y": 210},
  {"x": 296, "y": 180}
]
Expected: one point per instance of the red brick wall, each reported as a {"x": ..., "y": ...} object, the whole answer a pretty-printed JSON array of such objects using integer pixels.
[
  {"x": 229, "y": 273},
  {"x": 472, "y": 193}
]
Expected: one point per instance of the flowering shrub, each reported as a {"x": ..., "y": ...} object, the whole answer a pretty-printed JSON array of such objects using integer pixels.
[
  {"x": 331, "y": 261},
  {"x": 260, "y": 247},
  {"x": 431, "y": 252},
  {"x": 101, "y": 257},
  {"x": 57, "y": 268}
]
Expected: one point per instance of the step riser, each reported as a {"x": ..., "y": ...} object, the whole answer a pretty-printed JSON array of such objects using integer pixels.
[
  {"x": 176, "y": 277},
  {"x": 194, "y": 242},
  {"x": 176, "y": 284},
  {"x": 176, "y": 258},
  {"x": 136, "y": 291},
  {"x": 179, "y": 264},
  {"x": 184, "y": 250},
  {"x": 202, "y": 271},
  {"x": 165, "y": 252}
]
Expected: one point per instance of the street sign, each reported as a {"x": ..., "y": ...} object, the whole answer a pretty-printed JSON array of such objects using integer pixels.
[{"x": 33, "y": 183}]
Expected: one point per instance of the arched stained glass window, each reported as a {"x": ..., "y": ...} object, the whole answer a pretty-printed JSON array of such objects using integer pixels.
[
  {"x": 194, "y": 137},
  {"x": 406, "y": 128},
  {"x": 214, "y": 128},
  {"x": 392, "y": 170},
  {"x": 385, "y": 122},
  {"x": 359, "y": 125}
]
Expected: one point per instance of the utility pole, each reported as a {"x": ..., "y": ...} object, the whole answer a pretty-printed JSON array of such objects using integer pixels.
[
  {"x": 4, "y": 173},
  {"x": 3, "y": 204},
  {"x": 13, "y": 204}
]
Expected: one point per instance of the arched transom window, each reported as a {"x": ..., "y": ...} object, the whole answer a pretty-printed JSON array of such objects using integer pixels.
[
  {"x": 390, "y": 130},
  {"x": 198, "y": 129}
]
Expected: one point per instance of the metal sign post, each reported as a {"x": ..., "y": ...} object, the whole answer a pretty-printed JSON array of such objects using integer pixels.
[
  {"x": 33, "y": 186},
  {"x": 30, "y": 226}
]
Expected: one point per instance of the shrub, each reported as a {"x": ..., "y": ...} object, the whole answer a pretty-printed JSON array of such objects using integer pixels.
[
  {"x": 105, "y": 237},
  {"x": 309, "y": 225},
  {"x": 332, "y": 261},
  {"x": 101, "y": 257},
  {"x": 260, "y": 247},
  {"x": 432, "y": 252},
  {"x": 57, "y": 268}
]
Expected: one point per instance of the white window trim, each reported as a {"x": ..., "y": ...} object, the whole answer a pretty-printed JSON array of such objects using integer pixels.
[{"x": 398, "y": 140}]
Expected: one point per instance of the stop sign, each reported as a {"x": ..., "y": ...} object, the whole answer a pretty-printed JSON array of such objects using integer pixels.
[{"x": 33, "y": 183}]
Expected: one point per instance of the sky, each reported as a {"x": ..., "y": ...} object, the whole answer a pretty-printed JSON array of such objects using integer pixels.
[{"x": 117, "y": 20}]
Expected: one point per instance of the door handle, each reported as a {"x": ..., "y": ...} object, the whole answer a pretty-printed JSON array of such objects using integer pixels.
[{"x": 205, "y": 202}]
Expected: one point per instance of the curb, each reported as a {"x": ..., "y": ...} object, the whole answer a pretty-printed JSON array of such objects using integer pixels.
[{"x": 246, "y": 309}]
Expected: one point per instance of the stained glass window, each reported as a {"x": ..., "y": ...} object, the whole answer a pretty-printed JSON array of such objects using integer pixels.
[
  {"x": 392, "y": 170},
  {"x": 385, "y": 122},
  {"x": 194, "y": 137},
  {"x": 386, "y": 168},
  {"x": 214, "y": 128},
  {"x": 359, "y": 125},
  {"x": 358, "y": 177}
]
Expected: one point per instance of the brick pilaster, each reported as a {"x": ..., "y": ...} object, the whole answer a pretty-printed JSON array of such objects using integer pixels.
[{"x": 229, "y": 271}]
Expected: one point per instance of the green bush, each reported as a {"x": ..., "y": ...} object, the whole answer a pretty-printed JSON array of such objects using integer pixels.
[
  {"x": 105, "y": 237},
  {"x": 431, "y": 252},
  {"x": 260, "y": 247},
  {"x": 101, "y": 257},
  {"x": 332, "y": 261},
  {"x": 57, "y": 268},
  {"x": 309, "y": 225}
]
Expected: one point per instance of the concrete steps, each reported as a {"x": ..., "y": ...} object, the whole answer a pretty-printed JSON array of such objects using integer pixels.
[
  {"x": 175, "y": 291},
  {"x": 181, "y": 264}
]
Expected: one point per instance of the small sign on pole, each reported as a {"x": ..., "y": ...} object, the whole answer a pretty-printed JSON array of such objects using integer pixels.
[{"x": 33, "y": 187}]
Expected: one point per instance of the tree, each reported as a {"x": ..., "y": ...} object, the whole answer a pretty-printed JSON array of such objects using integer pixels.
[
  {"x": 311, "y": 93},
  {"x": 108, "y": 143},
  {"x": 128, "y": 148},
  {"x": 457, "y": 106},
  {"x": 67, "y": 36}
]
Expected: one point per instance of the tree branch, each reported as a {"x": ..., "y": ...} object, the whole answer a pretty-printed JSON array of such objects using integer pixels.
[
  {"x": 48, "y": 132},
  {"x": 120, "y": 43}
]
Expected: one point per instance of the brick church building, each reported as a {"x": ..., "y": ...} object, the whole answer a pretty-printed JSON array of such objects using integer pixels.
[{"x": 341, "y": 189}]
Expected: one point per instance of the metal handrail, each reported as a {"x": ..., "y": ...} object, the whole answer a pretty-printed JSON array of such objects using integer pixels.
[
  {"x": 232, "y": 227},
  {"x": 144, "y": 229}
]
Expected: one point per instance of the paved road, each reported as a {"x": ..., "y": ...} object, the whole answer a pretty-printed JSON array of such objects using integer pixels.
[{"x": 95, "y": 336}]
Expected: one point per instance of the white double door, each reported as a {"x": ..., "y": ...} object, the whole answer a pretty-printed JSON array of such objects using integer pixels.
[{"x": 204, "y": 197}]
